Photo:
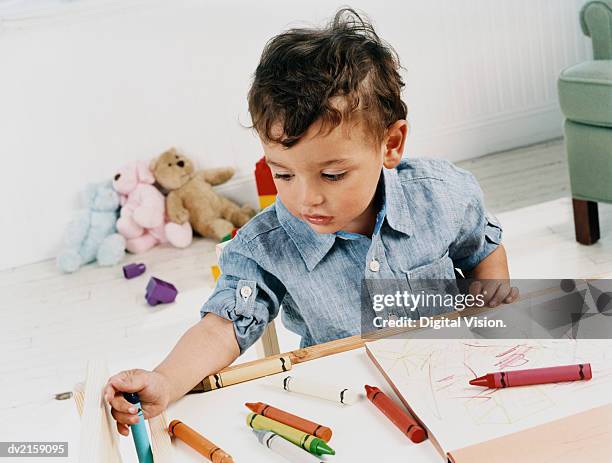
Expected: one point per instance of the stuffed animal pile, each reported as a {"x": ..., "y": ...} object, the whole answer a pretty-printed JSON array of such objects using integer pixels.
[
  {"x": 131, "y": 213},
  {"x": 143, "y": 221}
]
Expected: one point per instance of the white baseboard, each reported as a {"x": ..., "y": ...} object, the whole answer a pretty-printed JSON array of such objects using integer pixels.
[
  {"x": 489, "y": 135},
  {"x": 241, "y": 189}
]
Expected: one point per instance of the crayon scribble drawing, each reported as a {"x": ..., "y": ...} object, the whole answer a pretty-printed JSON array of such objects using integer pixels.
[{"x": 433, "y": 376}]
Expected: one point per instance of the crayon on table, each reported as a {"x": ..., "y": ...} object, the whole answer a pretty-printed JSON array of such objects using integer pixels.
[
  {"x": 139, "y": 431},
  {"x": 398, "y": 416},
  {"x": 532, "y": 376},
  {"x": 198, "y": 442},
  {"x": 302, "y": 439},
  {"x": 284, "y": 448},
  {"x": 239, "y": 375},
  {"x": 317, "y": 430},
  {"x": 316, "y": 389}
]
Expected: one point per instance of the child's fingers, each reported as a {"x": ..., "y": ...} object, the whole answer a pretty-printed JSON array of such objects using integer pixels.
[
  {"x": 129, "y": 380},
  {"x": 123, "y": 429},
  {"x": 494, "y": 292},
  {"x": 109, "y": 392},
  {"x": 489, "y": 287},
  {"x": 498, "y": 291},
  {"x": 514, "y": 292},
  {"x": 121, "y": 405},
  {"x": 475, "y": 287},
  {"x": 125, "y": 418}
]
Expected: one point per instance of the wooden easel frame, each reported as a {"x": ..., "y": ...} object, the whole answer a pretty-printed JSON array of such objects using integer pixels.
[{"x": 99, "y": 438}]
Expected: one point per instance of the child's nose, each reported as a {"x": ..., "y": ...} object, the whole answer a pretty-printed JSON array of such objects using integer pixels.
[{"x": 311, "y": 197}]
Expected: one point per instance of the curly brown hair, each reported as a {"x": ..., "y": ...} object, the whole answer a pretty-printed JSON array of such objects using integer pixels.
[{"x": 327, "y": 73}]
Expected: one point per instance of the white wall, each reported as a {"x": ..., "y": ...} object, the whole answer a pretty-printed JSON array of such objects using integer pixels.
[{"x": 88, "y": 85}]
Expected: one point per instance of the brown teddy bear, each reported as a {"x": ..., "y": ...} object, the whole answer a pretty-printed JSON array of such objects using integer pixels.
[{"x": 191, "y": 196}]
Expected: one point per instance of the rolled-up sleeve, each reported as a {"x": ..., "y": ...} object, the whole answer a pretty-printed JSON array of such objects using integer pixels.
[
  {"x": 480, "y": 233},
  {"x": 245, "y": 293}
]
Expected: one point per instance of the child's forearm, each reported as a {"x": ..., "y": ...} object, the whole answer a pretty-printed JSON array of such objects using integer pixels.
[
  {"x": 494, "y": 266},
  {"x": 207, "y": 347}
]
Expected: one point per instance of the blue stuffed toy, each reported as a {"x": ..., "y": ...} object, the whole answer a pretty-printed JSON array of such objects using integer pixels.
[{"x": 92, "y": 234}]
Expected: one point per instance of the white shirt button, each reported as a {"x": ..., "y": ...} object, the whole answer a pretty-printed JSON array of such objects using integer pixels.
[
  {"x": 374, "y": 265},
  {"x": 245, "y": 292}
]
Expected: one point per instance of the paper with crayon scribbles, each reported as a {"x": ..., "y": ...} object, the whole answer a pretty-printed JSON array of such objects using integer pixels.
[{"x": 433, "y": 378}]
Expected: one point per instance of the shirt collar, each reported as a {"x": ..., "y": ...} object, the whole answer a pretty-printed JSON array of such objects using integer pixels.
[
  {"x": 313, "y": 246},
  {"x": 380, "y": 217},
  {"x": 396, "y": 203}
]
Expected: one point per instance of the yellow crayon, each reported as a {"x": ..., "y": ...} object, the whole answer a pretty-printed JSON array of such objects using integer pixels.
[{"x": 300, "y": 438}]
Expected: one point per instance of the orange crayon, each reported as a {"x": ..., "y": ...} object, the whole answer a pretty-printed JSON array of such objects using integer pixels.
[
  {"x": 322, "y": 432},
  {"x": 198, "y": 442}
]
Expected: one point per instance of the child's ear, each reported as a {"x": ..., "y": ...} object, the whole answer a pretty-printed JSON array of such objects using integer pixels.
[{"x": 395, "y": 139}]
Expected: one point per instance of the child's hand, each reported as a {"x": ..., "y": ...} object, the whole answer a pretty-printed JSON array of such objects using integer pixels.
[
  {"x": 494, "y": 292},
  {"x": 152, "y": 388}
]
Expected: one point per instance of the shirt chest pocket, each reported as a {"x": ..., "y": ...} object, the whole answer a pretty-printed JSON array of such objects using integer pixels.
[
  {"x": 434, "y": 275},
  {"x": 436, "y": 279}
]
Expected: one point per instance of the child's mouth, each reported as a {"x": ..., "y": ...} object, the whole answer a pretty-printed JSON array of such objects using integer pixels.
[{"x": 318, "y": 219}]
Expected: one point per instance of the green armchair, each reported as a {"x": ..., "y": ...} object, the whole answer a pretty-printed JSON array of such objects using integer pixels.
[{"x": 585, "y": 97}]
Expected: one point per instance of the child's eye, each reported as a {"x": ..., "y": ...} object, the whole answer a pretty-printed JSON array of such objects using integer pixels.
[
  {"x": 285, "y": 177},
  {"x": 334, "y": 177}
]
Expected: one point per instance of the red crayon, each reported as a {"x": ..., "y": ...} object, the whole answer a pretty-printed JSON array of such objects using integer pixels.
[
  {"x": 535, "y": 376},
  {"x": 400, "y": 417}
]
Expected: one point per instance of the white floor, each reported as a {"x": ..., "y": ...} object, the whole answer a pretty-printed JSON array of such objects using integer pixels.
[
  {"x": 50, "y": 324},
  {"x": 523, "y": 176}
]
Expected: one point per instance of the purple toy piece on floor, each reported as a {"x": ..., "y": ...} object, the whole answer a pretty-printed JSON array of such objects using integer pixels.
[
  {"x": 160, "y": 292},
  {"x": 133, "y": 270}
]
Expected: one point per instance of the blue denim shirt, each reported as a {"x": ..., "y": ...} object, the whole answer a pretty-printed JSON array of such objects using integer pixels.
[{"x": 432, "y": 220}]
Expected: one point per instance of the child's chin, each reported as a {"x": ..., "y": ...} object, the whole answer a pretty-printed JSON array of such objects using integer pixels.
[{"x": 329, "y": 228}]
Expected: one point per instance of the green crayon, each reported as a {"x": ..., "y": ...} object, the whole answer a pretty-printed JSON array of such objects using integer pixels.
[{"x": 302, "y": 439}]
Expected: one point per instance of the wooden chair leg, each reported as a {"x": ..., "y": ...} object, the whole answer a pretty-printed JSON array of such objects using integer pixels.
[
  {"x": 586, "y": 221},
  {"x": 267, "y": 345}
]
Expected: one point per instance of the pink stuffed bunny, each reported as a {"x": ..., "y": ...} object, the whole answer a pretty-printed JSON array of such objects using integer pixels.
[{"x": 143, "y": 220}]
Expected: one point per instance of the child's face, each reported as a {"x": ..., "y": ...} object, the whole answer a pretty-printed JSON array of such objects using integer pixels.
[{"x": 329, "y": 181}]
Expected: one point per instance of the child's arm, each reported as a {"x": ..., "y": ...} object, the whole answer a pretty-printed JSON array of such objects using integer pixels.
[
  {"x": 233, "y": 319},
  {"x": 477, "y": 249},
  {"x": 492, "y": 279},
  {"x": 205, "y": 348},
  {"x": 495, "y": 265}
]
